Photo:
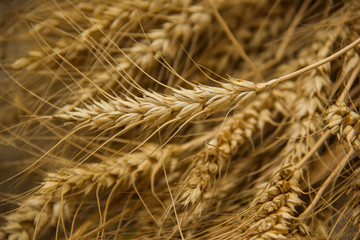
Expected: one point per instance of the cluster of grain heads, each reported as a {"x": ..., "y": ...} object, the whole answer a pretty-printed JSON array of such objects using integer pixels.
[
  {"x": 162, "y": 38},
  {"x": 272, "y": 212},
  {"x": 143, "y": 127}
]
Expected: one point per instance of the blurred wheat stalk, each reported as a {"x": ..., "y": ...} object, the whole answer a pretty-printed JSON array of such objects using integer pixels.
[{"x": 180, "y": 120}]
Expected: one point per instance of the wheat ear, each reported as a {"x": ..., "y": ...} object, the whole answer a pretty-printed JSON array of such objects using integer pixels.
[
  {"x": 154, "y": 109},
  {"x": 54, "y": 197},
  {"x": 235, "y": 132}
]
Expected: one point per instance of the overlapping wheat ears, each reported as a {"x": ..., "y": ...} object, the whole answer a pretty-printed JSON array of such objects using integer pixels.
[{"x": 180, "y": 119}]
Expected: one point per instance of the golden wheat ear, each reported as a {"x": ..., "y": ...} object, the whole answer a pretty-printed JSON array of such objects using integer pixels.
[{"x": 59, "y": 191}]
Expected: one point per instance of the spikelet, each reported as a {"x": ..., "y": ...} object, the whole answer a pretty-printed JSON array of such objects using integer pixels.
[{"x": 345, "y": 124}]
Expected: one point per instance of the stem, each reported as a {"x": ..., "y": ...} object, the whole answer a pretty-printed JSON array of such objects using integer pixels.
[{"x": 319, "y": 63}]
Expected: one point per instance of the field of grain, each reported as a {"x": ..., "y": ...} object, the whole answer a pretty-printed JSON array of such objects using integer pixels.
[{"x": 179, "y": 119}]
